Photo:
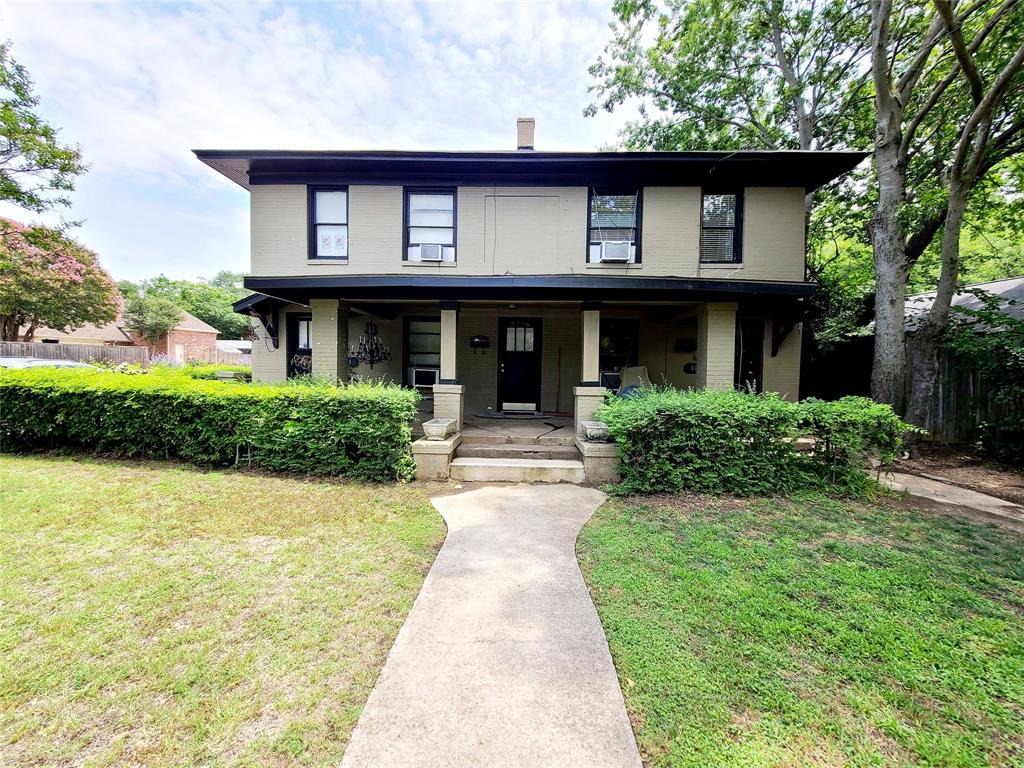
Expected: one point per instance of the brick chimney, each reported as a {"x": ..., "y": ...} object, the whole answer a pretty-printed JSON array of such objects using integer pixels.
[{"x": 524, "y": 132}]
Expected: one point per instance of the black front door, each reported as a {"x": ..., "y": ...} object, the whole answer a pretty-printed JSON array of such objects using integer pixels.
[
  {"x": 299, "y": 344},
  {"x": 519, "y": 341}
]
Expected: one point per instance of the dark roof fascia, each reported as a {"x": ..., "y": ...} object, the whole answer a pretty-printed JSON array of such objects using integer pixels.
[
  {"x": 530, "y": 288},
  {"x": 725, "y": 170},
  {"x": 244, "y": 305}
]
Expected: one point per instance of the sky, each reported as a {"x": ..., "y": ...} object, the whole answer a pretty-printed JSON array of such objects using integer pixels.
[{"x": 138, "y": 86}]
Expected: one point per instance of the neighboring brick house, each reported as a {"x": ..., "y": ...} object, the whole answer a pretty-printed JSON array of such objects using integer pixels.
[{"x": 191, "y": 339}]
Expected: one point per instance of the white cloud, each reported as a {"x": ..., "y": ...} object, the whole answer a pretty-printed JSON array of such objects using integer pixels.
[{"x": 139, "y": 86}]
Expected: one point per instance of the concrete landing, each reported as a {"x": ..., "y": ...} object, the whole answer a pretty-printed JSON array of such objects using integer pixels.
[
  {"x": 504, "y": 470},
  {"x": 502, "y": 661}
]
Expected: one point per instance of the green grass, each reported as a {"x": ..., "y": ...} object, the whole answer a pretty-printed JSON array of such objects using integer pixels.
[
  {"x": 811, "y": 632},
  {"x": 152, "y": 614}
]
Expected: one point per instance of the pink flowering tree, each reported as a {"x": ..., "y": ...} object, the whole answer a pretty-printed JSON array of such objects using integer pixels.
[{"x": 48, "y": 279}]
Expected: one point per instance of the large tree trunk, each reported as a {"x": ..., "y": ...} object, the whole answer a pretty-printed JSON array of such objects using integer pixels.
[
  {"x": 925, "y": 372},
  {"x": 9, "y": 325},
  {"x": 891, "y": 270}
]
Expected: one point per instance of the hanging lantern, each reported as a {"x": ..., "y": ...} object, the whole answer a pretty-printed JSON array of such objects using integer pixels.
[{"x": 370, "y": 349}]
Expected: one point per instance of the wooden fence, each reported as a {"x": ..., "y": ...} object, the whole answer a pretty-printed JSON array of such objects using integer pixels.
[
  {"x": 85, "y": 353},
  {"x": 962, "y": 403}
]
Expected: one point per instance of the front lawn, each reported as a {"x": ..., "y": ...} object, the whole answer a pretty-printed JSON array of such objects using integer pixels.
[
  {"x": 153, "y": 614},
  {"x": 811, "y": 632}
]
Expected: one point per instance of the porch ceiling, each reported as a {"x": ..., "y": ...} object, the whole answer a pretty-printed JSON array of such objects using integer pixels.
[{"x": 505, "y": 288}]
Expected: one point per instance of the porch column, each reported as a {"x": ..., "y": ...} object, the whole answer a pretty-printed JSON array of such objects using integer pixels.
[
  {"x": 591, "y": 372},
  {"x": 330, "y": 339},
  {"x": 716, "y": 345},
  {"x": 589, "y": 394},
  {"x": 449, "y": 395},
  {"x": 449, "y": 342}
]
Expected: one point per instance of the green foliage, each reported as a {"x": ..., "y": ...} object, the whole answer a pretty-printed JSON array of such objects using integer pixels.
[
  {"x": 210, "y": 301},
  {"x": 993, "y": 342},
  {"x": 151, "y": 317},
  {"x": 49, "y": 279},
  {"x": 810, "y": 632},
  {"x": 845, "y": 432},
  {"x": 33, "y": 162},
  {"x": 709, "y": 441},
  {"x": 209, "y": 370},
  {"x": 733, "y": 74},
  {"x": 358, "y": 430}
]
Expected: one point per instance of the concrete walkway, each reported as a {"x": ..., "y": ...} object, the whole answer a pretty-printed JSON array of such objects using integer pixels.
[
  {"x": 502, "y": 661},
  {"x": 947, "y": 493}
]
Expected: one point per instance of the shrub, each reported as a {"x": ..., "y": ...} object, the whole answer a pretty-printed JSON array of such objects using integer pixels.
[
  {"x": 209, "y": 370},
  {"x": 702, "y": 440},
  {"x": 710, "y": 441},
  {"x": 846, "y": 431},
  {"x": 360, "y": 430}
]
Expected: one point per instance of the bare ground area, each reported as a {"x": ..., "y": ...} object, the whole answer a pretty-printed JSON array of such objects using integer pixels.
[{"x": 961, "y": 465}]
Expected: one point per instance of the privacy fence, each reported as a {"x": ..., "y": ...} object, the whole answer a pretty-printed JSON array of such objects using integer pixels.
[{"x": 85, "y": 353}]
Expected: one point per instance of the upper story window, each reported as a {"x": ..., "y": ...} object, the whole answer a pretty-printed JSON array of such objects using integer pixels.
[
  {"x": 720, "y": 235},
  {"x": 328, "y": 223},
  {"x": 430, "y": 225},
  {"x": 614, "y": 224}
]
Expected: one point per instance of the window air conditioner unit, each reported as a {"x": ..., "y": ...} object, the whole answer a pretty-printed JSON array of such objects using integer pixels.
[
  {"x": 431, "y": 253},
  {"x": 424, "y": 377},
  {"x": 615, "y": 251}
]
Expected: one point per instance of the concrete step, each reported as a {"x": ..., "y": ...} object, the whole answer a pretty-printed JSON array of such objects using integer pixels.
[
  {"x": 517, "y": 470},
  {"x": 517, "y": 451},
  {"x": 561, "y": 437}
]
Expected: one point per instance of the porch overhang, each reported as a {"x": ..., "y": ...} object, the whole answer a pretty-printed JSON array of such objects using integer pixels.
[{"x": 533, "y": 288}]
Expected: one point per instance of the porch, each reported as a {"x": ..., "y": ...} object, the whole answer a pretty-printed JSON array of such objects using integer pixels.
[{"x": 502, "y": 371}]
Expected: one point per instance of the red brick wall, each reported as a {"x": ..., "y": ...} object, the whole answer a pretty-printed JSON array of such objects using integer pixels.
[{"x": 198, "y": 345}]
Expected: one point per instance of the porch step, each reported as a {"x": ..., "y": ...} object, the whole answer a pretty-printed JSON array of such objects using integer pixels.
[
  {"x": 517, "y": 451},
  {"x": 517, "y": 470},
  {"x": 561, "y": 437}
]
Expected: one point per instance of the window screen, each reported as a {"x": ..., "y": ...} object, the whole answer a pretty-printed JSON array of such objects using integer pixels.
[
  {"x": 330, "y": 222},
  {"x": 613, "y": 220},
  {"x": 430, "y": 216},
  {"x": 718, "y": 241}
]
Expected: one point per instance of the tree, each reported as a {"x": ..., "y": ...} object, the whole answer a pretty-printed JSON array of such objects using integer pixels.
[
  {"x": 210, "y": 301},
  {"x": 923, "y": 102},
  {"x": 735, "y": 74},
  {"x": 48, "y": 279},
  {"x": 151, "y": 316},
  {"x": 36, "y": 169},
  {"x": 992, "y": 131}
]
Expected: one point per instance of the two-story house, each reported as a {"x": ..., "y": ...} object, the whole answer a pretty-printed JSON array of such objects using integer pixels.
[{"x": 526, "y": 281}]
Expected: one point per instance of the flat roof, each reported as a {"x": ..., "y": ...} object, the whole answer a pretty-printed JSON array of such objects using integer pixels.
[{"x": 624, "y": 170}]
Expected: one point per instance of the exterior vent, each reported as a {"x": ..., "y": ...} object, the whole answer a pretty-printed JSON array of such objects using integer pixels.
[
  {"x": 430, "y": 253},
  {"x": 615, "y": 251}
]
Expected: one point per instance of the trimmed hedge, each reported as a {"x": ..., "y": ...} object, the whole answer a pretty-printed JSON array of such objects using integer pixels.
[
  {"x": 358, "y": 430},
  {"x": 209, "y": 370},
  {"x": 709, "y": 441}
]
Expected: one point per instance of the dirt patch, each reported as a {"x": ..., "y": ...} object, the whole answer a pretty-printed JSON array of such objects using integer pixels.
[{"x": 962, "y": 466}]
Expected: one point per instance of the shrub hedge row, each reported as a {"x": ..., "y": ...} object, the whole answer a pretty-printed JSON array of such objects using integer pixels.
[
  {"x": 731, "y": 442},
  {"x": 210, "y": 370},
  {"x": 359, "y": 430}
]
